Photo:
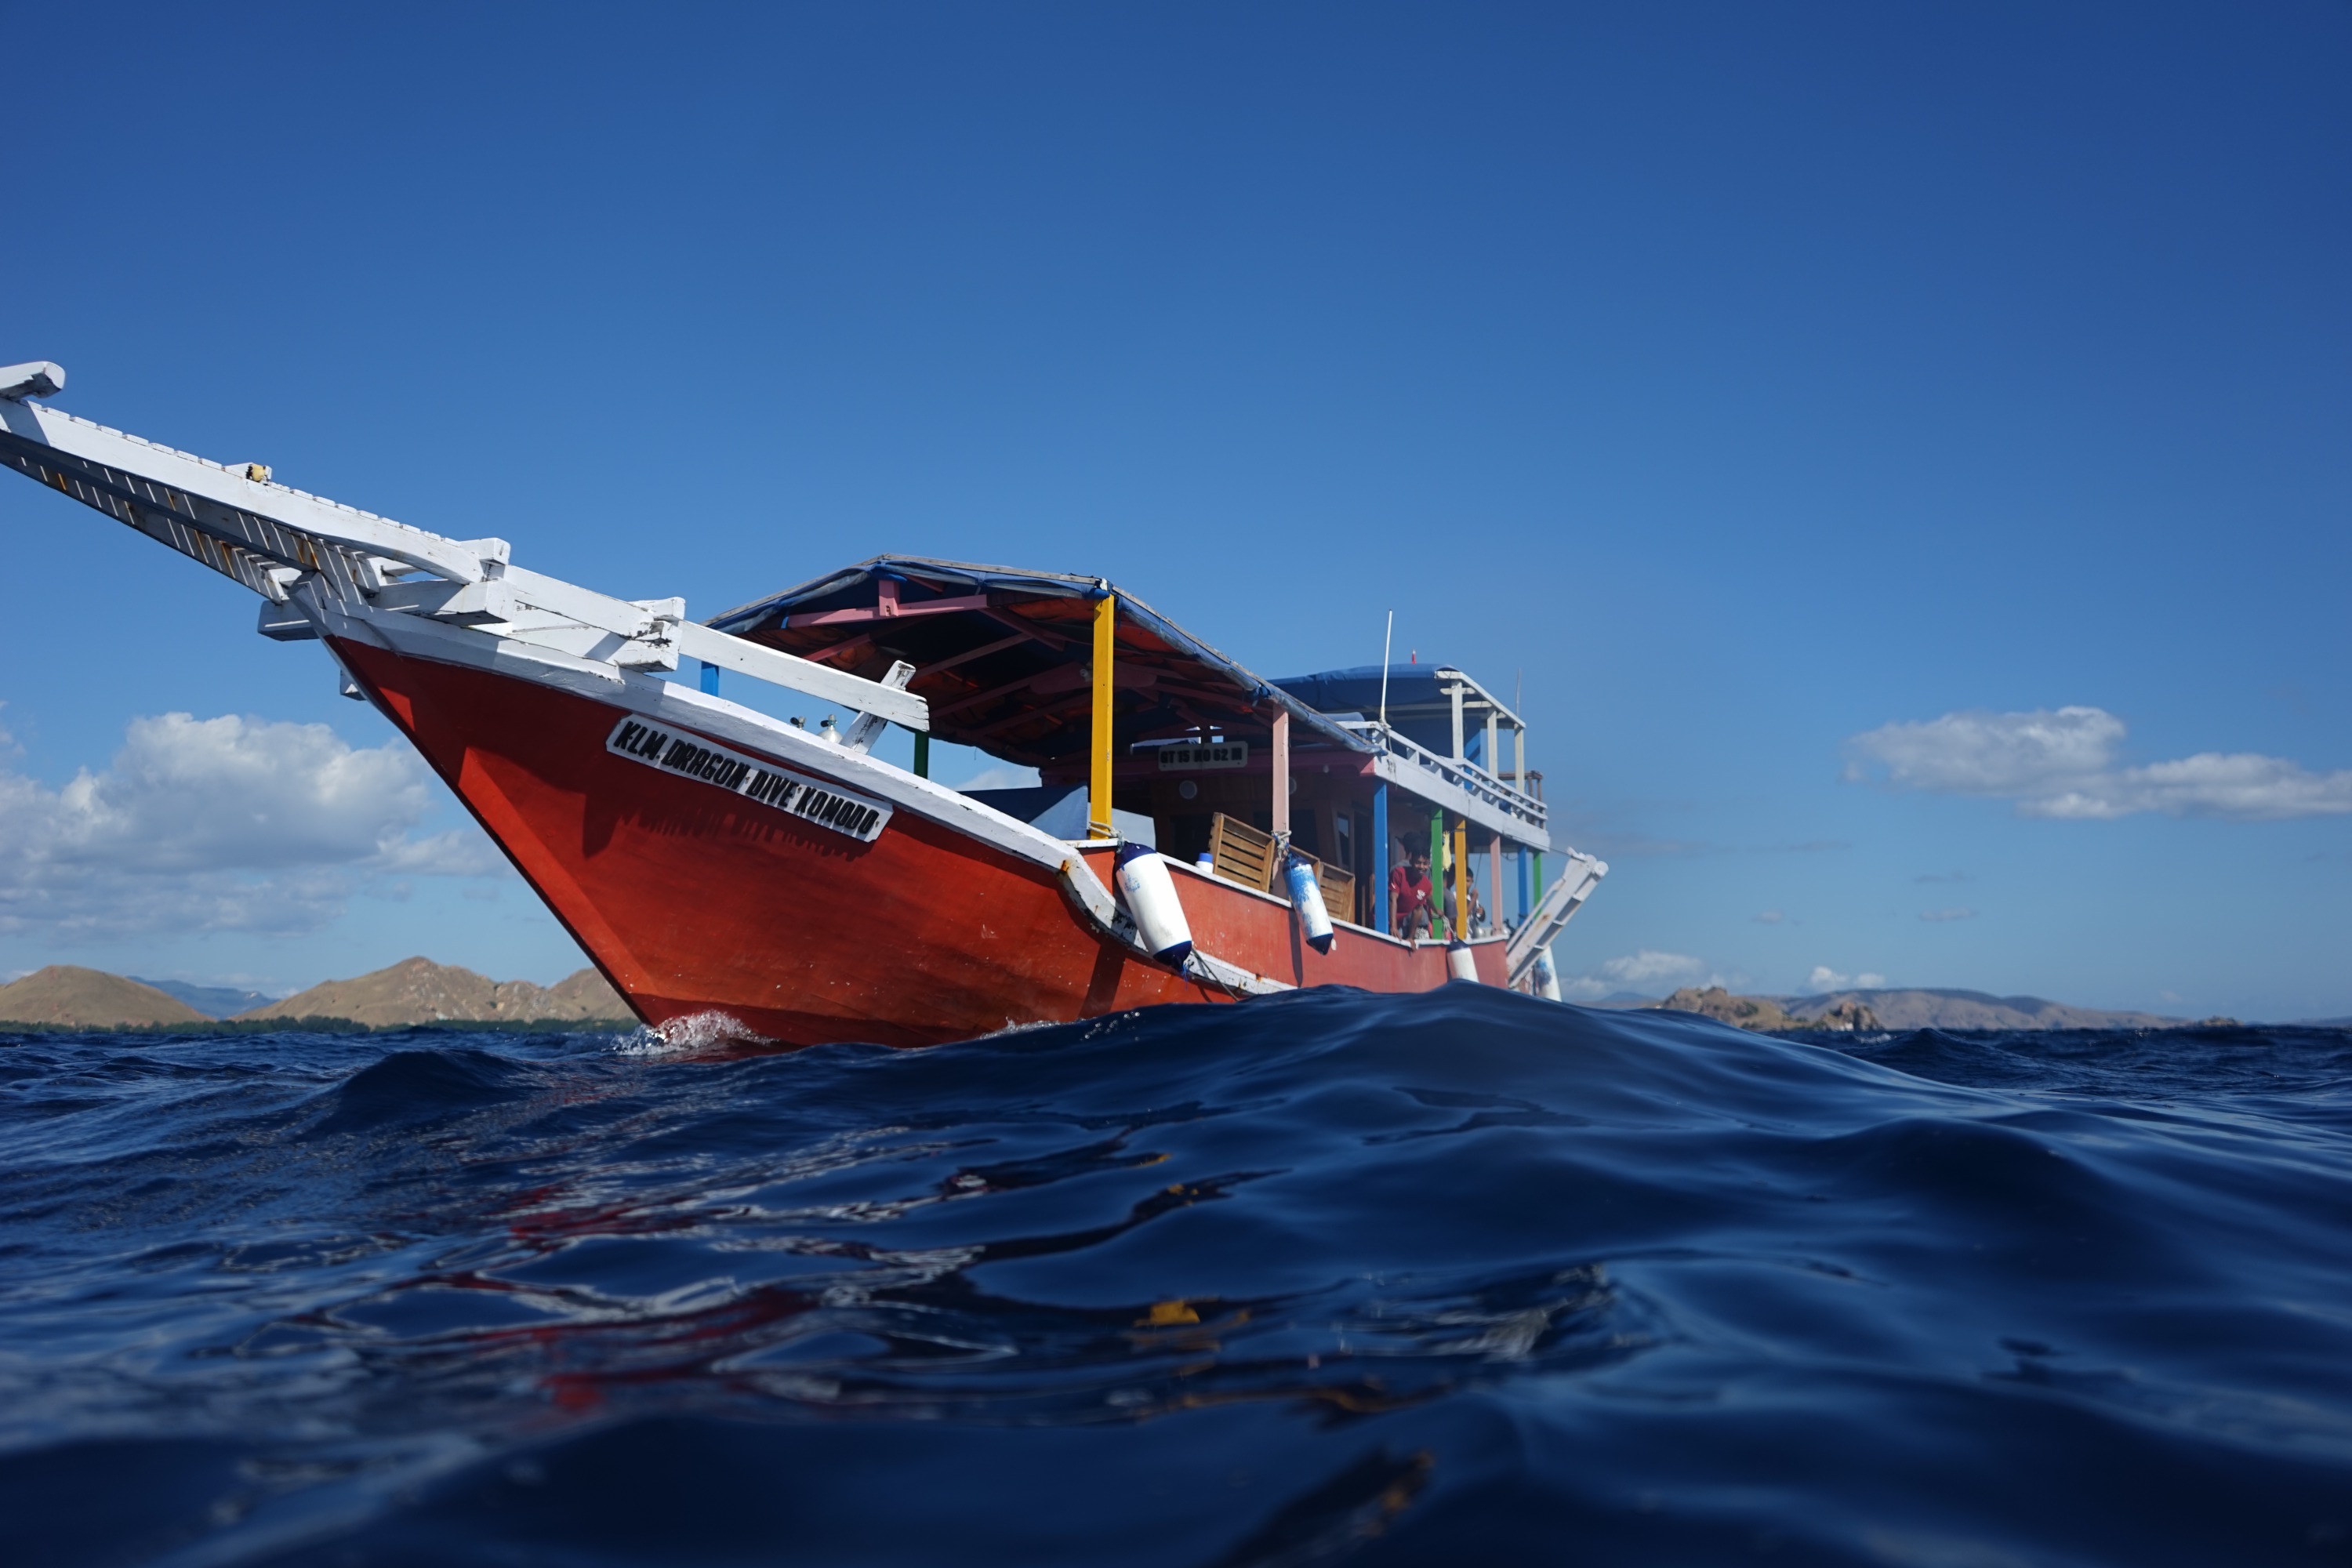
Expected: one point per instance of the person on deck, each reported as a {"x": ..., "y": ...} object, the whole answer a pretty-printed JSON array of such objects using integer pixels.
[
  {"x": 1409, "y": 891},
  {"x": 1476, "y": 907}
]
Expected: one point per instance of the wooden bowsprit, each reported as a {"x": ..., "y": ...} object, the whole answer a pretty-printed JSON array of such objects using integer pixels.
[{"x": 311, "y": 557}]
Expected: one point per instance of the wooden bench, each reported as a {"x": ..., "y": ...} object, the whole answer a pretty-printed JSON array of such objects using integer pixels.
[{"x": 1240, "y": 853}]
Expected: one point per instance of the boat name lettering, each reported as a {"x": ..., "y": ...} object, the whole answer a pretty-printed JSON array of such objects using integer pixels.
[
  {"x": 761, "y": 782},
  {"x": 1219, "y": 755}
]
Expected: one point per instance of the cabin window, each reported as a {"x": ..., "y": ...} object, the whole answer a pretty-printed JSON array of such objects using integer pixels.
[{"x": 1343, "y": 836}]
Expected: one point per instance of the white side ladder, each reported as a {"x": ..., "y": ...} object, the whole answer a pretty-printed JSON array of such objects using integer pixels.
[{"x": 1552, "y": 913}]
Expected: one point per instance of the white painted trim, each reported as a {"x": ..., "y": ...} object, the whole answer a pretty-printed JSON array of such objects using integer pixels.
[
  {"x": 675, "y": 702},
  {"x": 1460, "y": 786},
  {"x": 821, "y": 681}
]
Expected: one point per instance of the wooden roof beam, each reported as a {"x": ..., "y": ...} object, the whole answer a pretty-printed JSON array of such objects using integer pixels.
[{"x": 886, "y": 606}]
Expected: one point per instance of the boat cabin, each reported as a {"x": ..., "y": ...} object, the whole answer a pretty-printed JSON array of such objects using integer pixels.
[{"x": 1138, "y": 729}]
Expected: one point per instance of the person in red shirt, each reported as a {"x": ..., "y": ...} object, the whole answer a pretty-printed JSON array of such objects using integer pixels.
[{"x": 1408, "y": 895}]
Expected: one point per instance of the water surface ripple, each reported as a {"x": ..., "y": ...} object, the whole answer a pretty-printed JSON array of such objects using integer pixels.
[{"x": 1454, "y": 1277}]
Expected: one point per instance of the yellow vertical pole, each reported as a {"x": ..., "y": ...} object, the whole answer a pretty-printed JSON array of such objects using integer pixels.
[
  {"x": 1461, "y": 876},
  {"x": 1099, "y": 823}
]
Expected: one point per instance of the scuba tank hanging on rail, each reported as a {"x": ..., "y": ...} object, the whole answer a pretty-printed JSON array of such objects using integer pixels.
[
  {"x": 1150, "y": 896},
  {"x": 1306, "y": 898},
  {"x": 1547, "y": 978}
]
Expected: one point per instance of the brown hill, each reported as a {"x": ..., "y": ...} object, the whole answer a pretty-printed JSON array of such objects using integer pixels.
[
  {"x": 589, "y": 996},
  {"x": 1758, "y": 1012},
  {"x": 1910, "y": 1009},
  {"x": 419, "y": 991},
  {"x": 1765, "y": 1015},
  {"x": 90, "y": 999},
  {"x": 1940, "y": 1009}
]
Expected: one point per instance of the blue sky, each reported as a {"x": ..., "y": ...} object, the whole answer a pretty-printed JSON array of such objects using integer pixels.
[{"x": 1903, "y": 447}]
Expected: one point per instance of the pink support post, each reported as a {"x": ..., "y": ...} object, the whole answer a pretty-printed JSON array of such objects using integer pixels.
[
  {"x": 1282, "y": 770},
  {"x": 1494, "y": 882}
]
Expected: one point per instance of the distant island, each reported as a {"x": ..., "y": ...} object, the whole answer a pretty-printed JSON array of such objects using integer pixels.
[
  {"x": 415, "y": 992},
  {"x": 418, "y": 992},
  {"x": 1848, "y": 1010}
]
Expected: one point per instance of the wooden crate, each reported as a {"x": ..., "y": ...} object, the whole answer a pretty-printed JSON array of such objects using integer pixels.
[
  {"x": 1242, "y": 854},
  {"x": 1339, "y": 886}
]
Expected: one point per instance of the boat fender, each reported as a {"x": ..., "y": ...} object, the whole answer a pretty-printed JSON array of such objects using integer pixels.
[
  {"x": 1460, "y": 963},
  {"x": 1306, "y": 898},
  {"x": 1150, "y": 896},
  {"x": 1547, "y": 977}
]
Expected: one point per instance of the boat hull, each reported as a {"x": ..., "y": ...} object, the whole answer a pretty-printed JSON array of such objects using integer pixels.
[{"x": 694, "y": 899}]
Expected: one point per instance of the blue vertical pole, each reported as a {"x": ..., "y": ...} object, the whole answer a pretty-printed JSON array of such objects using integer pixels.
[
  {"x": 710, "y": 678},
  {"x": 1526, "y": 898},
  {"x": 1381, "y": 859}
]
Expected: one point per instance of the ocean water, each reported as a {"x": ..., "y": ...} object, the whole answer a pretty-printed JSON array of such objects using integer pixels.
[{"x": 1459, "y": 1278}]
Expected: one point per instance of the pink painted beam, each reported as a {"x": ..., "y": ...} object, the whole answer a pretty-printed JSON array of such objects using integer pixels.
[{"x": 888, "y": 608}]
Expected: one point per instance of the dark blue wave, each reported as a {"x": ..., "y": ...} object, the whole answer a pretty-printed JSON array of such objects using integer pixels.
[{"x": 1453, "y": 1277}]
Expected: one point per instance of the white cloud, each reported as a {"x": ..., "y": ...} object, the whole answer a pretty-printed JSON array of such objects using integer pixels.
[
  {"x": 1648, "y": 968},
  {"x": 1824, "y": 978},
  {"x": 2061, "y": 763},
  {"x": 459, "y": 852},
  {"x": 1771, "y": 917},
  {"x": 2244, "y": 785},
  {"x": 1942, "y": 917},
  {"x": 1988, "y": 754},
  {"x": 1647, "y": 971},
  {"x": 217, "y": 824}
]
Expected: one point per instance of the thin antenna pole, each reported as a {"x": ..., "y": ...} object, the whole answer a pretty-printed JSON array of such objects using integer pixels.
[{"x": 1387, "y": 640}]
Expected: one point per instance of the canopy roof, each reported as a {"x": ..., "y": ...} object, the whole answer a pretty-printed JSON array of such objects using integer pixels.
[
  {"x": 1420, "y": 699},
  {"x": 1005, "y": 657}
]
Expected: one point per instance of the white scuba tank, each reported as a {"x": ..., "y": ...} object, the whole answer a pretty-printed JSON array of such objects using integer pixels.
[
  {"x": 1460, "y": 962},
  {"x": 1547, "y": 977},
  {"x": 1306, "y": 898},
  {"x": 1149, "y": 894}
]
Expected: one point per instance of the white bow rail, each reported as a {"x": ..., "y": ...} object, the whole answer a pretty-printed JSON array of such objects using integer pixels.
[
  {"x": 1552, "y": 914},
  {"x": 275, "y": 540}
]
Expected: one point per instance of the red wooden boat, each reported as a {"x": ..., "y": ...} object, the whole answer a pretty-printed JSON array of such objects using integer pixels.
[{"x": 770, "y": 877}]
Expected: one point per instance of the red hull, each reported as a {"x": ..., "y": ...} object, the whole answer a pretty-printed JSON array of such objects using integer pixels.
[{"x": 693, "y": 901}]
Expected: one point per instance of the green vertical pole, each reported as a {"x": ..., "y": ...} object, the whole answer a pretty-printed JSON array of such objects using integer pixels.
[
  {"x": 1437, "y": 915},
  {"x": 922, "y": 753}
]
